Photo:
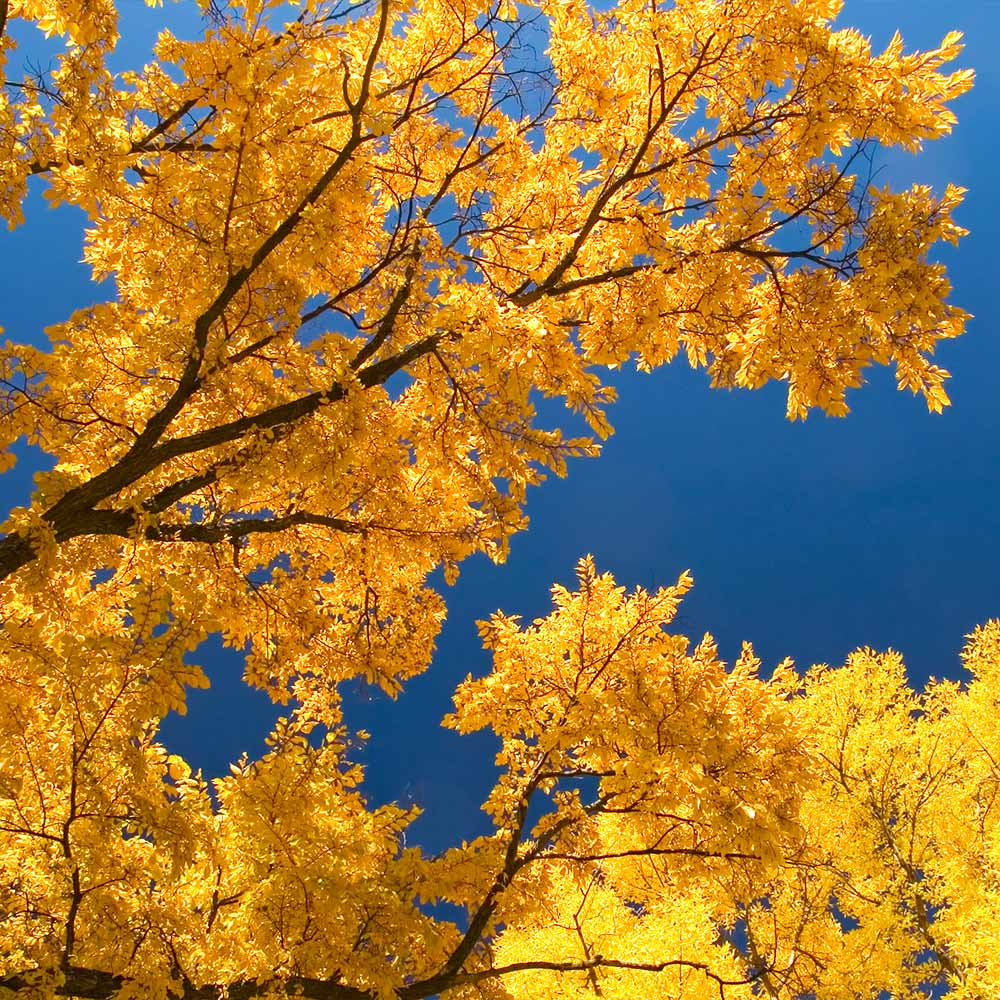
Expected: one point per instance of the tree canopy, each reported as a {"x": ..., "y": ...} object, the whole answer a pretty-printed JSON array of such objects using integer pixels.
[{"x": 353, "y": 245}]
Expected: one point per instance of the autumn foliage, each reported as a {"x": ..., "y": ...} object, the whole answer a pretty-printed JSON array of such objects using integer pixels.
[{"x": 352, "y": 246}]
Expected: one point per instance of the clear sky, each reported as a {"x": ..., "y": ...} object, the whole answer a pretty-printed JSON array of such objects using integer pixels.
[{"x": 882, "y": 529}]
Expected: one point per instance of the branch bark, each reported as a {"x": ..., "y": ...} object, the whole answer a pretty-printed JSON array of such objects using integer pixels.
[
  {"x": 93, "y": 984},
  {"x": 77, "y": 513}
]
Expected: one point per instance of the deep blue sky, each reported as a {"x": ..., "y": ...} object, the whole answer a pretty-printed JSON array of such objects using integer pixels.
[{"x": 807, "y": 539}]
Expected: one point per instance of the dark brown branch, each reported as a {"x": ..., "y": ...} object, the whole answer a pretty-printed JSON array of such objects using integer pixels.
[
  {"x": 387, "y": 322},
  {"x": 610, "y": 275},
  {"x": 169, "y": 495},
  {"x": 165, "y": 125},
  {"x": 286, "y": 413},
  {"x": 241, "y": 529},
  {"x": 597, "y": 962},
  {"x": 123, "y": 524},
  {"x": 649, "y": 852},
  {"x": 92, "y": 984},
  {"x": 480, "y": 919},
  {"x": 525, "y": 294},
  {"x": 71, "y": 518}
]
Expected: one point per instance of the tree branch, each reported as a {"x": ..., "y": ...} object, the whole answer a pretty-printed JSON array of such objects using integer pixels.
[
  {"x": 597, "y": 962},
  {"x": 73, "y": 516},
  {"x": 649, "y": 852},
  {"x": 93, "y": 984}
]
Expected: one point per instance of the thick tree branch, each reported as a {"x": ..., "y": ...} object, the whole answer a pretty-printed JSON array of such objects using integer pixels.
[
  {"x": 285, "y": 413},
  {"x": 72, "y": 516},
  {"x": 93, "y": 984},
  {"x": 597, "y": 962},
  {"x": 649, "y": 852},
  {"x": 480, "y": 919},
  {"x": 123, "y": 524}
]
